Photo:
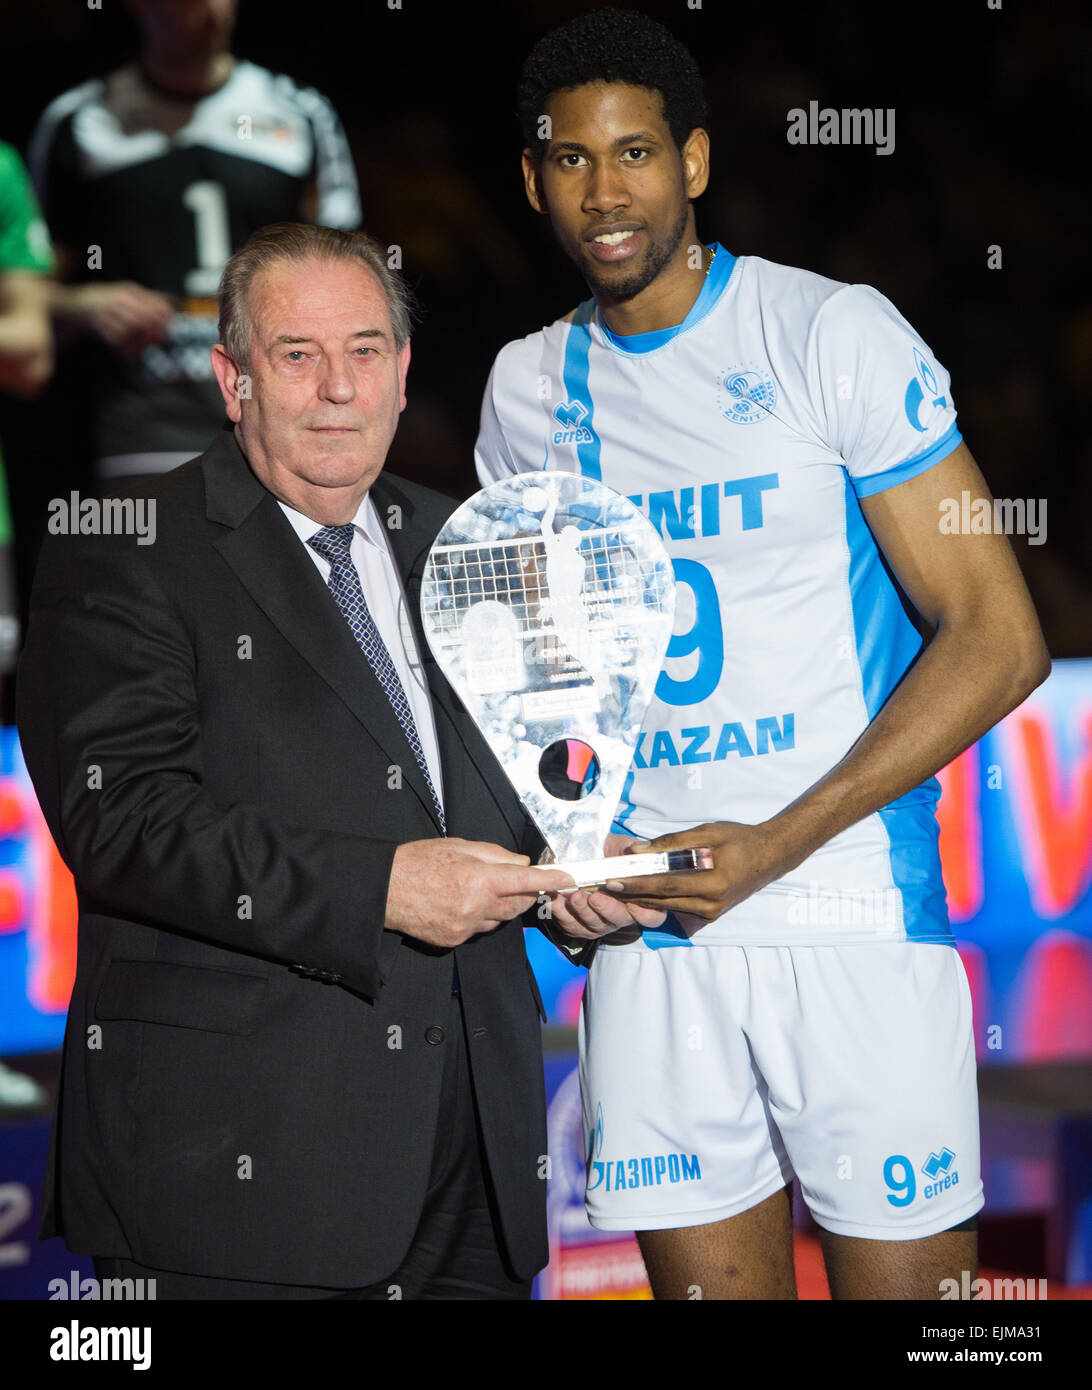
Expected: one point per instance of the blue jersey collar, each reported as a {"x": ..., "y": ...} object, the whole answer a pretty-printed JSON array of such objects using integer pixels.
[{"x": 720, "y": 272}]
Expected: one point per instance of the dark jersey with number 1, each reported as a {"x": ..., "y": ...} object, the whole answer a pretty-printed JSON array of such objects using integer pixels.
[{"x": 140, "y": 185}]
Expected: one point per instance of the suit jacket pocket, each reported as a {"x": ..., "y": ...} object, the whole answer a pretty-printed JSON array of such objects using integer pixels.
[{"x": 183, "y": 996}]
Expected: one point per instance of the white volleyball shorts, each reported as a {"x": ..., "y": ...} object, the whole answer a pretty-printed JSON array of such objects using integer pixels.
[{"x": 712, "y": 1075}]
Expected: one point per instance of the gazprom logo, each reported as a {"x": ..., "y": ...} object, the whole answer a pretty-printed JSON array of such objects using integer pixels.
[
  {"x": 938, "y": 1163},
  {"x": 568, "y": 415},
  {"x": 651, "y": 1170},
  {"x": 922, "y": 388}
]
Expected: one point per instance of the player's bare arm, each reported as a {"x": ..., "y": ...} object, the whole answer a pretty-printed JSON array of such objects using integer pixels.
[
  {"x": 985, "y": 655},
  {"x": 26, "y": 347}
]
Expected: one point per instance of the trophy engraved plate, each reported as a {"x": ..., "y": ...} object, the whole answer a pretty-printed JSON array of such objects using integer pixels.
[{"x": 548, "y": 602}]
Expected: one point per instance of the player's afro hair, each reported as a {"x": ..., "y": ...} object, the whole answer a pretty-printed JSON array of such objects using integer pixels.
[{"x": 612, "y": 45}]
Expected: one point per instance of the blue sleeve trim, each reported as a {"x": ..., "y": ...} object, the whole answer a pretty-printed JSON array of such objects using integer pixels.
[{"x": 903, "y": 472}]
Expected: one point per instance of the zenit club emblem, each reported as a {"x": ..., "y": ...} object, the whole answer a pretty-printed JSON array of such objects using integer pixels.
[{"x": 746, "y": 395}]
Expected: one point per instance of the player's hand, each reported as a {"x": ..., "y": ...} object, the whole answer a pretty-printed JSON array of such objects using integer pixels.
[
  {"x": 446, "y": 891},
  {"x": 125, "y": 314},
  {"x": 745, "y": 859},
  {"x": 590, "y": 915}
]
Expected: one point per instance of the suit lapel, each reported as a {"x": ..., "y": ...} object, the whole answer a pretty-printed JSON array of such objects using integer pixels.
[{"x": 269, "y": 561}]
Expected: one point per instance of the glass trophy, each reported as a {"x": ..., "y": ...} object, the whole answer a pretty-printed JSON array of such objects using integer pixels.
[{"x": 548, "y": 602}]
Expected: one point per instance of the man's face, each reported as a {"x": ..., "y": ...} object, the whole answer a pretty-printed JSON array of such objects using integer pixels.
[
  {"x": 326, "y": 384},
  {"x": 614, "y": 184}
]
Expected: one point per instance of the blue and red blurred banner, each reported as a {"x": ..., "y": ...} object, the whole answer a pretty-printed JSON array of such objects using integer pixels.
[{"x": 37, "y": 916}]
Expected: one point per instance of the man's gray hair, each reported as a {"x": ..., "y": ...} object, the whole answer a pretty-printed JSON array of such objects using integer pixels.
[{"x": 302, "y": 241}]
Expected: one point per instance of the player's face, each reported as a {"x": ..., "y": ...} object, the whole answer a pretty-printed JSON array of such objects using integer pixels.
[
  {"x": 616, "y": 187},
  {"x": 326, "y": 384}
]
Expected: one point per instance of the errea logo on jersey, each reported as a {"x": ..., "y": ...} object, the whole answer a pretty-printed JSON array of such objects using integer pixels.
[
  {"x": 569, "y": 414},
  {"x": 746, "y": 395}
]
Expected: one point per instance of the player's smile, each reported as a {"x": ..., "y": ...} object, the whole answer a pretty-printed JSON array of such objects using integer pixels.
[
  {"x": 616, "y": 242},
  {"x": 618, "y": 190}
]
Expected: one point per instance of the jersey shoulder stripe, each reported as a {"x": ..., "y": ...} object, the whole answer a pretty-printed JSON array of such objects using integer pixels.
[
  {"x": 61, "y": 108},
  {"x": 334, "y": 174}
]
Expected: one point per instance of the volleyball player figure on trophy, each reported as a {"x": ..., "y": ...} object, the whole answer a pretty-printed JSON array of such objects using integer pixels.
[
  {"x": 548, "y": 602},
  {"x": 566, "y": 569}
]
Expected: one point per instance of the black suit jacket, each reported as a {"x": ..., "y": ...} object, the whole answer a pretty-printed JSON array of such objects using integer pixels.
[{"x": 249, "y": 1089}]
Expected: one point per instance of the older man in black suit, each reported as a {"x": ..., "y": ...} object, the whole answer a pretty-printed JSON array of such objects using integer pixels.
[{"x": 302, "y": 1057}]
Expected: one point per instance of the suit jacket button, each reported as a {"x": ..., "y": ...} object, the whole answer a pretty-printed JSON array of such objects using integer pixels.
[{"x": 434, "y": 1035}]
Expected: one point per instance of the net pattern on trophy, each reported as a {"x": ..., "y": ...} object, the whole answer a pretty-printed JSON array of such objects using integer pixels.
[
  {"x": 560, "y": 617},
  {"x": 547, "y": 601}
]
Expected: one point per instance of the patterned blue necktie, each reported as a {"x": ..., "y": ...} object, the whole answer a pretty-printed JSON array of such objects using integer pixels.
[{"x": 333, "y": 543}]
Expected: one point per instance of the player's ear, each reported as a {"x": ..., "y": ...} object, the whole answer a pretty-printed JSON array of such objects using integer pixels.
[
  {"x": 695, "y": 158},
  {"x": 231, "y": 382},
  {"x": 532, "y": 181}
]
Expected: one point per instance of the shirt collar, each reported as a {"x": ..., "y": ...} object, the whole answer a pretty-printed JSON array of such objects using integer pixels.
[{"x": 366, "y": 521}]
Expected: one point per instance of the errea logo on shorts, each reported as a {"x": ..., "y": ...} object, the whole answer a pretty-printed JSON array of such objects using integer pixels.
[
  {"x": 648, "y": 1171},
  {"x": 899, "y": 1175},
  {"x": 939, "y": 1168}
]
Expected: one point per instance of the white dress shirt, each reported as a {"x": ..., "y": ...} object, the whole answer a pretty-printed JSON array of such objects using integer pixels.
[{"x": 386, "y": 600}]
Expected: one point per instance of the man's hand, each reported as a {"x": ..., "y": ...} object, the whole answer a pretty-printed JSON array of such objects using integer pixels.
[
  {"x": 123, "y": 313},
  {"x": 446, "y": 891},
  {"x": 745, "y": 859},
  {"x": 592, "y": 915}
]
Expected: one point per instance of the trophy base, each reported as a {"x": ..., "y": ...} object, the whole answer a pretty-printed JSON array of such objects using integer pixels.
[{"x": 592, "y": 873}]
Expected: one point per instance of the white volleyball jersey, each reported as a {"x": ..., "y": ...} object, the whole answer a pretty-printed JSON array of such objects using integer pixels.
[{"x": 747, "y": 435}]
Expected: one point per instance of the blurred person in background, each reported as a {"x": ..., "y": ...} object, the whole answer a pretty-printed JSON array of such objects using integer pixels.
[{"x": 149, "y": 179}]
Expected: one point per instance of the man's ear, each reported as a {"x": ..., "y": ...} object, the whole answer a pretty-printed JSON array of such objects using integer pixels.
[
  {"x": 532, "y": 181},
  {"x": 403, "y": 371},
  {"x": 234, "y": 385},
  {"x": 695, "y": 158}
]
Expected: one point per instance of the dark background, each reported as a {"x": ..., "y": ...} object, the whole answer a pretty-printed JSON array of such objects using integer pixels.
[{"x": 991, "y": 109}]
